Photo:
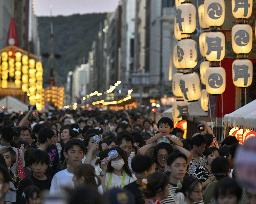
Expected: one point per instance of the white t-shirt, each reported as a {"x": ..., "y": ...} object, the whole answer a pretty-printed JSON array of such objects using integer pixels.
[{"x": 60, "y": 180}]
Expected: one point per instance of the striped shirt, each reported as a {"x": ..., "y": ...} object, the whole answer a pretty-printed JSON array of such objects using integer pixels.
[{"x": 171, "y": 197}]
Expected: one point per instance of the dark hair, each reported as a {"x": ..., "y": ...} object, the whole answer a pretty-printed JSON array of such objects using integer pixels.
[
  {"x": 162, "y": 145},
  {"x": 39, "y": 156},
  {"x": 220, "y": 167},
  {"x": 124, "y": 157},
  {"x": 141, "y": 163},
  {"x": 12, "y": 152},
  {"x": 175, "y": 155},
  {"x": 30, "y": 191},
  {"x": 87, "y": 171},
  {"x": 210, "y": 150},
  {"x": 208, "y": 139},
  {"x": 224, "y": 151},
  {"x": 147, "y": 121},
  {"x": 2, "y": 161},
  {"x": 44, "y": 134},
  {"x": 7, "y": 134},
  {"x": 227, "y": 186},
  {"x": 25, "y": 128},
  {"x": 5, "y": 173},
  {"x": 156, "y": 183},
  {"x": 74, "y": 142},
  {"x": 232, "y": 150},
  {"x": 124, "y": 136},
  {"x": 197, "y": 140},
  {"x": 65, "y": 127},
  {"x": 188, "y": 185},
  {"x": 229, "y": 140},
  {"x": 79, "y": 194},
  {"x": 165, "y": 120}
]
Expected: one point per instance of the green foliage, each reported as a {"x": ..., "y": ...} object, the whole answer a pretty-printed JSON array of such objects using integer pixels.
[{"x": 73, "y": 38}]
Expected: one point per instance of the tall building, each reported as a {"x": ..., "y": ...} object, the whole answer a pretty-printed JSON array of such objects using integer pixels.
[
  {"x": 6, "y": 12},
  {"x": 127, "y": 43}
]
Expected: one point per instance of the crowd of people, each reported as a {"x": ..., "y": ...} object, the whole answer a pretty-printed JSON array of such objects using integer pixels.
[{"x": 105, "y": 157}]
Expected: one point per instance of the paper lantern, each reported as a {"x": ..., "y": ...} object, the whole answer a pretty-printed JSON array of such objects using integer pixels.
[
  {"x": 216, "y": 80},
  {"x": 242, "y": 8},
  {"x": 215, "y": 46},
  {"x": 186, "y": 54},
  {"x": 4, "y": 84},
  {"x": 204, "y": 100},
  {"x": 18, "y": 56},
  {"x": 31, "y": 63},
  {"x": 179, "y": 2},
  {"x": 39, "y": 66},
  {"x": 25, "y": 69},
  {"x": 177, "y": 33},
  {"x": 25, "y": 60},
  {"x": 4, "y": 56},
  {"x": 203, "y": 68},
  {"x": 18, "y": 66},
  {"x": 4, "y": 66},
  {"x": 186, "y": 18},
  {"x": 17, "y": 83},
  {"x": 242, "y": 72},
  {"x": 201, "y": 17},
  {"x": 176, "y": 85},
  {"x": 214, "y": 12},
  {"x": 190, "y": 86},
  {"x": 202, "y": 44},
  {"x": 242, "y": 38}
]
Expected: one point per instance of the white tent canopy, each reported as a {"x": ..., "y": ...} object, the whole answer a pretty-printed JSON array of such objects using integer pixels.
[
  {"x": 243, "y": 117},
  {"x": 12, "y": 104}
]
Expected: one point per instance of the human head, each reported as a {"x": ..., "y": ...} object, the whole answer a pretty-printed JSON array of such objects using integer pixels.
[
  {"x": 32, "y": 195},
  {"x": 142, "y": 166},
  {"x": 157, "y": 186},
  {"x": 229, "y": 140},
  {"x": 227, "y": 191},
  {"x": 198, "y": 144},
  {"x": 125, "y": 142},
  {"x": 220, "y": 167},
  {"x": 45, "y": 136},
  {"x": 65, "y": 133},
  {"x": 7, "y": 135},
  {"x": 84, "y": 174},
  {"x": 39, "y": 163},
  {"x": 119, "y": 162},
  {"x": 210, "y": 154},
  {"x": 147, "y": 125},
  {"x": 192, "y": 189},
  {"x": 9, "y": 156},
  {"x": 4, "y": 181},
  {"x": 161, "y": 152},
  {"x": 74, "y": 151},
  {"x": 177, "y": 165},
  {"x": 165, "y": 125},
  {"x": 25, "y": 135}
]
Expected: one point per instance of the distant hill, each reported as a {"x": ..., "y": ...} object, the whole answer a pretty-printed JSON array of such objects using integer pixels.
[{"x": 73, "y": 36}]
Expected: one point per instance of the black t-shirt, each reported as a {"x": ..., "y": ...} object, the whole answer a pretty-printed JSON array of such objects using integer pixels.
[{"x": 134, "y": 188}]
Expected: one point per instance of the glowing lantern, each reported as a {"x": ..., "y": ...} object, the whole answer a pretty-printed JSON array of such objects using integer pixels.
[
  {"x": 190, "y": 86},
  {"x": 242, "y": 8},
  {"x": 186, "y": 18},
  {"x": 242, "y": 38},
  {"x": 18, "y": 66},
  {"x": 25, "y": 69},
  {"x": 31, "y": 63},
  {"x": 242, "y": 72},
  {"x": 216, "y": 80},
  {"x": 39, "y": 66},
  {"x": 4, "y": 84},
  {"x": 39, "y": 75},
  {"x": 24, "y": 78},
  {"x": 202, "y": 44},
  {"x": 17, "y": 83},
  {"x": 25, "y": 60},
  {"x": 214, "y": 12},
  {"x": 201, "y": 17},
  {"x": 186, "y": 54},
  {"x": 176, "y": 85},
  {"x": 24, "y": 87},
  {"x": 177, "y": 33},
  {"x": 18, "y": 56},
  {"x": 4, "y": 66},
  {"x": 203, "y": 68},
  {"x": 18, "y": 74},
  {"x": 179, "y": 2},
  {"x": 204, "y": 100},
  {"x": 4, "y": 75},
  {"x": 215, "y": 46},
  {"x": 4, "y": 56}
]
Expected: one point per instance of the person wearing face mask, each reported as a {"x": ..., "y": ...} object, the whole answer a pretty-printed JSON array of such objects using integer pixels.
[{"x": 118, "y": 173}]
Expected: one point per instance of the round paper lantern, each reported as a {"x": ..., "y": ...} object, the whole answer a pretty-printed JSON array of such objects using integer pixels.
[
  {"x": 215, "y": 46},
  {"x": 201, "y": 17},
  {"x": 186, "y": 54},
  {"x": 216, "y": 80},
  {"x": 214, "y": 12},
  {"x": 4, "y": 84},
  {"x": 204, "y": 100},
  {"x": 4, "y": 56},
  {"x": 177, "y": 33},
  {"x": 202, "y": 44},
  {"x": 190, "y": 86},
  {"x": 242, "y": 72},
  {"x": 18, "y": 56},
  {"x": 176, "y": 85},
  {"x": 242, "y": 38},
  {"x": 186, "y": 18},
  {"x": 203, "y": 68},
  {"x": 242, "y": 9},
  {"x": 25, "y": 60}
]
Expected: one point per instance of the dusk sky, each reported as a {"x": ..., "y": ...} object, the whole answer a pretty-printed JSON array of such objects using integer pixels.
[{"x": 69, "y": 7}]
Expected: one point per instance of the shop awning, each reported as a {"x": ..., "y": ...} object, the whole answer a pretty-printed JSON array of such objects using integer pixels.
[{"x": 12, "y": 104}]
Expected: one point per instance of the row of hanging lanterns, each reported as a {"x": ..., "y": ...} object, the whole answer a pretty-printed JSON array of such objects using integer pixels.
[{"x": 211, "y": 15}]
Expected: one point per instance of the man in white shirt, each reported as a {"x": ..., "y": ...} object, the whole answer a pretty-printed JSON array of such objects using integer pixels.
[{"x": 74, "y": 152}]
